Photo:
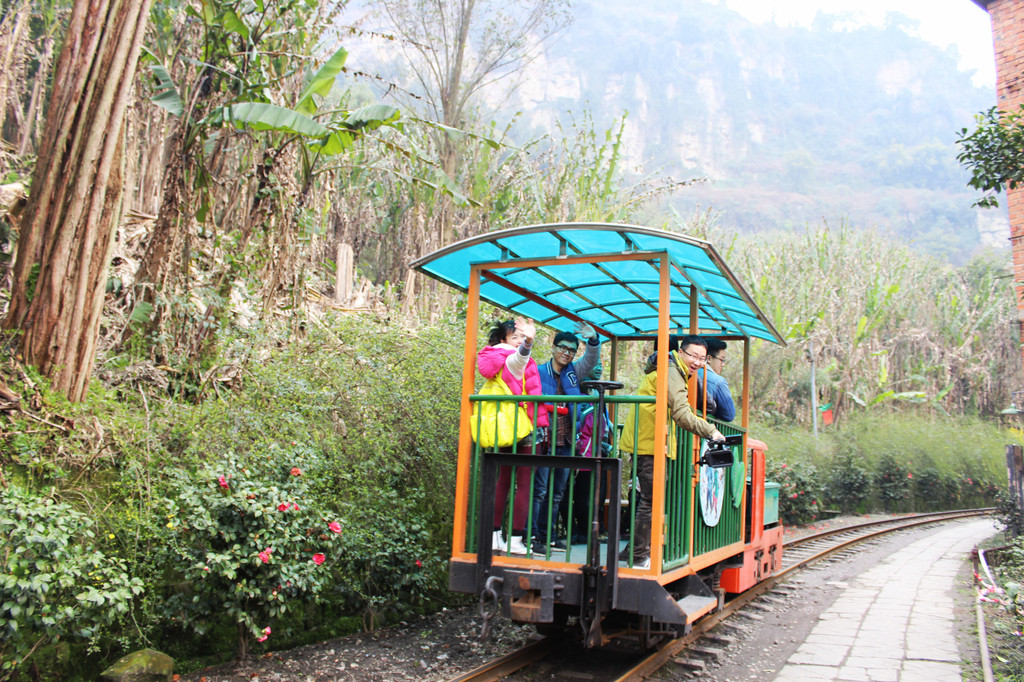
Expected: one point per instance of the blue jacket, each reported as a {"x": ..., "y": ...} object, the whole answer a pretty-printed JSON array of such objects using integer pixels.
[
  {"x": 569, "y": 378},
  {"x": 718, "y": 391}
]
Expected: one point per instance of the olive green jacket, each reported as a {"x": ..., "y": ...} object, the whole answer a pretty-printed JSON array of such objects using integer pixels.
[{"x": 678, "y": 409}]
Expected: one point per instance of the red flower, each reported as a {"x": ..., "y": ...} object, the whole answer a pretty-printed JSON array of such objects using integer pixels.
[
  {"x": 296, "y": 471},
  {"x": 222, "y": 482},
  {"x": 319, "y": 558},
  {"x": 419, "y": 564},
  {"x": 265, "y": 555},
  {"x": 266, "y": 633},
  {"x": 783, "y": 466},
  {"x": 910, "y": 475},
  {"x": 793, "y": 496},
  {"x": 334, "y": 526},
  {"x": 282, "y": 507},
  {"x": 295, "y": 506}
]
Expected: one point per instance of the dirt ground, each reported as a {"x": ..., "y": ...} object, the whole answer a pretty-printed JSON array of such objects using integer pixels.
[{"x": 443, "y": 645}]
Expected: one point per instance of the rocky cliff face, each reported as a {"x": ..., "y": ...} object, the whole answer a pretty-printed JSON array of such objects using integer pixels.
[{"x": 791, "y": 126}]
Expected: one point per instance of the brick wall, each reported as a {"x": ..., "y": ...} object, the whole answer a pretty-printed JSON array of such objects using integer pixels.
[{"x": 1008, "y": 38}]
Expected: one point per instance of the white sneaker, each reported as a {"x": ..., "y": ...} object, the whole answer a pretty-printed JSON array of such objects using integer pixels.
[
  {"x": 497, "y": 544},
  {"x": 517, "y": 546}
]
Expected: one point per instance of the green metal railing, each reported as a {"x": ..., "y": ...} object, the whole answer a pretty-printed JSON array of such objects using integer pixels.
[
  {"x": 679, "y": 523},
  {"x": 728, "y": 529}
]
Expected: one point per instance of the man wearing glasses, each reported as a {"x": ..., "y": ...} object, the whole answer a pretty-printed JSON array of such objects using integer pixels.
[
  {"x": 719, "y": 394},
  {"x": 638, "y": 433},
  {"x": 560, "y": 376}
]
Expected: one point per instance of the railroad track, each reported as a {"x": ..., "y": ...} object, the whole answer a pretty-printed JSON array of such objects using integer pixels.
[{"x": 797, "y": 554}]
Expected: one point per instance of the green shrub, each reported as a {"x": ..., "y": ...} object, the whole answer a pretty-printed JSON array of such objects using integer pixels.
[
  {"x": 388, "y": 568},
  {"x": 56, "y": 582},
  {"x": 1005, "y": 638},
  {"x": 932, "y": 490},
  {"x": 892, "y": 483},
  {"x": 849, "y": 483}
]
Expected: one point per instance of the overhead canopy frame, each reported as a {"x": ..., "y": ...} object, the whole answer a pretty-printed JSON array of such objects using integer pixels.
[{"x": 604, "y": 274}]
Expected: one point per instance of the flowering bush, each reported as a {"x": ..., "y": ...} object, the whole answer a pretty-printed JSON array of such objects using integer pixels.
[
  {"x": 932, "y": 489},
  {"x": 799, "y": 491},
  {"x": 54, "y": 581},
  {"x": 892, "y": 482},
  {"x": 246, "y": 546}
]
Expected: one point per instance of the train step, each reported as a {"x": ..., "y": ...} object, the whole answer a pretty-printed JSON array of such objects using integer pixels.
[{"x": 695, "y": 606}]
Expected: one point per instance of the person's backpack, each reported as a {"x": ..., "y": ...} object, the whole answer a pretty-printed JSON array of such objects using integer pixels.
[{"x": 585, "y": 435}]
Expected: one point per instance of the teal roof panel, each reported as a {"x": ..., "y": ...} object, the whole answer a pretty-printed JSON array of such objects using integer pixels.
[{"x": 619, "y": 297}]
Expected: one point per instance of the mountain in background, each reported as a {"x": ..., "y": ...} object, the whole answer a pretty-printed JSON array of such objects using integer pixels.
[{"x": 792, "y": 126}]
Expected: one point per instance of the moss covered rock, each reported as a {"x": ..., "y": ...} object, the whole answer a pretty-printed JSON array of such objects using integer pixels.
[{"x": 146, "y": 665}]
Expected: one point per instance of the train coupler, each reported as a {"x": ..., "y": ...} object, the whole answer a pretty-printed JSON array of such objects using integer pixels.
[{"x": 529, "y": 596}]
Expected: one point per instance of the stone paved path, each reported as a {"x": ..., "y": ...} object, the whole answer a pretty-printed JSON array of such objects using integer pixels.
[{"x": 894, "y": 630}]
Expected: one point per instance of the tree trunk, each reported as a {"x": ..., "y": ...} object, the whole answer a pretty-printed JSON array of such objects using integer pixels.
[
  {"x": 12, "y": 33},
  {"x": 67, "y": 232}
]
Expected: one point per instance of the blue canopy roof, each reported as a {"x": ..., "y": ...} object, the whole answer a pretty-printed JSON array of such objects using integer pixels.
[{"x": 618, "y": 296}]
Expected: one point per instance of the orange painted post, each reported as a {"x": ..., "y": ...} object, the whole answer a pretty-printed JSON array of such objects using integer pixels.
[
  {"x": 660, "y": 419},
  {"x": 465, "y": 464},
  {"x": 747, "y": 458}
]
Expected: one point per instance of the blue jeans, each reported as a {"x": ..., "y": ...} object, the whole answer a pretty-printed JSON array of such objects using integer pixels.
[{"x": 559, "y": 481}]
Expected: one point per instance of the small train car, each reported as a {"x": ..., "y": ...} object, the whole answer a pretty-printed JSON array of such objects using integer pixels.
[{"x": 709, "y": 531}]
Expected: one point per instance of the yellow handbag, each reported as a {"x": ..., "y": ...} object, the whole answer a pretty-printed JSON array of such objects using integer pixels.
[{"x": 497, "y": 423}]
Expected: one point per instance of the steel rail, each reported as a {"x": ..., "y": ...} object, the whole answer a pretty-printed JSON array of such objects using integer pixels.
[
  {"x": 511, "y": 662},
  {"x": 956, "y": 513}
]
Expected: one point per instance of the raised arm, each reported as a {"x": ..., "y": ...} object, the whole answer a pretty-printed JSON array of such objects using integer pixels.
[
  {"x": 592, "y": 352},
  {"x": 516, "y": 362}
]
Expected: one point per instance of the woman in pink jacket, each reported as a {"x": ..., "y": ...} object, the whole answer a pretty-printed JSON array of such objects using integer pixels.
[{"x": 508, "y": 351}]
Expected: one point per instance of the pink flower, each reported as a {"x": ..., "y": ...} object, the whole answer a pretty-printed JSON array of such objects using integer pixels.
[
  {"x": 222, "y": 482},
  {"x": 783, "y": 466},
  {"x": 296, "y": 471},
  {"x": 910, "y": 475},
  {"x": 334, "y": 526},
  {"x": 295, "y": 506},
  {"x": 266, "y": 633},
  {"x": 265, "y": 555},
  {"x": 793, "y": 496},
  {"x": 282, "y": 507},
  {"x": 319, "y": 558}
]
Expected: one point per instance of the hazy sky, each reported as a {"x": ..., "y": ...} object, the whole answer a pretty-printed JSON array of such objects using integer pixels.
[{"x": 943, "y": 22}]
